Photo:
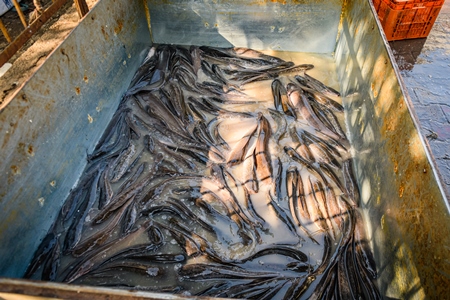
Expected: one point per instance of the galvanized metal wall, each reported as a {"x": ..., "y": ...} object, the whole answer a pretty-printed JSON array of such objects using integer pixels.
[
  {"x": 57, "y": 117},
  {"x": 289, "y": 25},
  {"x": 408, "y": 216}
]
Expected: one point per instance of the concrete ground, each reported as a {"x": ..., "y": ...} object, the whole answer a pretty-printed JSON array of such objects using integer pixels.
[{"x": 425, "y": 68}]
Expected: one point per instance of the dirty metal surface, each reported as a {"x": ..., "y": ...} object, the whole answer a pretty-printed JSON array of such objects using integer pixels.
[
  {"x": 425, "y": 69},
  {"x": 289, "y": 25},
  {"x": 404, "y": 202},
  {"x": 70, "y": 103},
  {"x": 60, "y": 113}
]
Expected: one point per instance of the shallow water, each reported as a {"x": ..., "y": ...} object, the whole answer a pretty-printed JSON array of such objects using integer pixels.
[{"x": 253, "y": 204}]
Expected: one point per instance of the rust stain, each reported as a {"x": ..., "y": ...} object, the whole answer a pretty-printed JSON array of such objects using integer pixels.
[
  {"x": 400, "y": 191},
  {"x": 48, "y": 107},
  {"x": 30, "y": 150},
  {"x": 393, "y": 119},
  {"x": 389, "y": 124},
  {"x": 105, "y": 34},
  {"x": 86, "y": 79},
  {"x": 63, "y": 52},
  {"x": 374, "y": 91},
  {"x": 119, "y": 27},
  {"x": 24, "y": 149},
  {"x": 15, "y": 170},
  {"x": 77, "y": 90},
  {"x": 419, "y": 206}
]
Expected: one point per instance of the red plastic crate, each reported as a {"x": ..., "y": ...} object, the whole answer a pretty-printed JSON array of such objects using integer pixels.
[{"x": 407, "y": 19}]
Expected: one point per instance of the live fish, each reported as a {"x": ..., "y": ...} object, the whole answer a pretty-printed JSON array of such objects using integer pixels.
[{"x": 224, "y": 172}]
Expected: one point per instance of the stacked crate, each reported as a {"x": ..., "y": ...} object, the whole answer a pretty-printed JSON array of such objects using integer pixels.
[{"x": 407, "y": 19}]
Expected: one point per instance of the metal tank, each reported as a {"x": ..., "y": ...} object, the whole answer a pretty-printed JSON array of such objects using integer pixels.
[{"x": 59, "y": 114}]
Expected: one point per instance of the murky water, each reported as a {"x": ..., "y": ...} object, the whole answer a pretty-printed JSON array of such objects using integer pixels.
[{"x": 203, "y": 185}]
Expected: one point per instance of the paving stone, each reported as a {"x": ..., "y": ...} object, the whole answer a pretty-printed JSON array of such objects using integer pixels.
[
  {"x": 443, "y": 131},
  {"x": 430, "y": 112},
  {"x": 440, "y": 151},
  {"x": 446, "y": 111}
]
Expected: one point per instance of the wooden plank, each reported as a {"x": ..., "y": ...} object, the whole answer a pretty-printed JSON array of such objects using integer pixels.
[
  {"x": 28, "y": 33},
  {"x": 20, "y": 13},
  {"x": 82, "y": 7},
  {"x": 5, "y": 31}
]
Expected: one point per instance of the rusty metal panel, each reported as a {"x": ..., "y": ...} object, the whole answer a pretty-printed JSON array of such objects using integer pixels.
[
  {"x": 289, "y": 25},
  {"x": 404, "y": 203},
  {"x": 58, "y": 116}
]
